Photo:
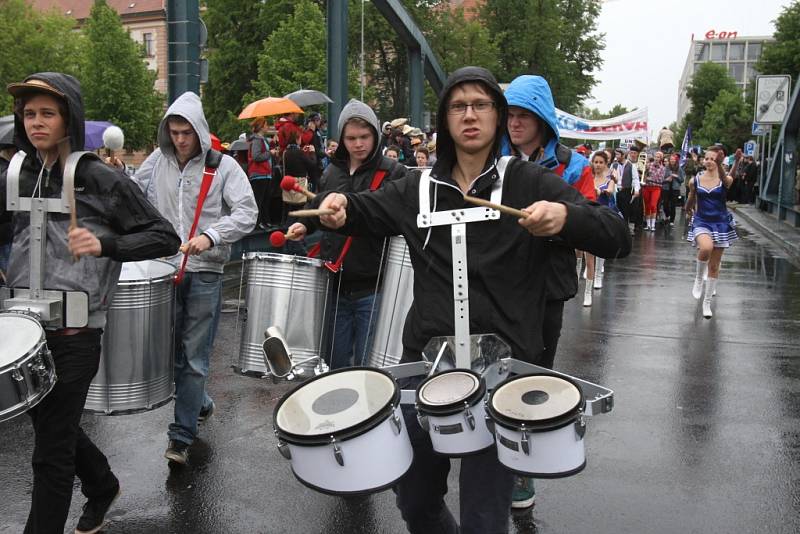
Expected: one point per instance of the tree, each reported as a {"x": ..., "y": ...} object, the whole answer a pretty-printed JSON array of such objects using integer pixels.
[
  {"x": 293, "y": 56},
  {"x": 783, "y": 55},
  {"x": 556, "y": 39},
  {"x": 236, "y": 34},
  {"x": 35, "y": 42},
  {"x": 708, "y": 81},
  {"x": 117, "y": 85},
  {"x": 727, "y": 121}
]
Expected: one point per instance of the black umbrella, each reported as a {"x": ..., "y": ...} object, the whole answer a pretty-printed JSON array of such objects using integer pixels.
[
  {"x": 7, "y": 130},
  {"x": 308, "y": 97}
]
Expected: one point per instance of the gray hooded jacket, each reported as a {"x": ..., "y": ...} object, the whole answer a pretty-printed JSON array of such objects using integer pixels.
[{"x": 229, "y": 212}]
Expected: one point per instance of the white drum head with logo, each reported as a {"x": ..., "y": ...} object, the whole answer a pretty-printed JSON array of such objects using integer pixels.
[
  {"x": 335, "y": 402},
  {"x": 20, "y": 335},
  {"x": 448, "y": 388},
  {"x": 536, "y": 398},
  {"x": 145, "y": 270}
]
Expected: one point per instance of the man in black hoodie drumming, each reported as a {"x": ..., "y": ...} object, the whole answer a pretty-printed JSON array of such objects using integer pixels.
[
  {"x": 114, "y": 224},
  {"x": 357, "y": 165},
  {"x": 507, "y": 264}
]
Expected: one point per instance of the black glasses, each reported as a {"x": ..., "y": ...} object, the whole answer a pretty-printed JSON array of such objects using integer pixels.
[{"x": 460, "y": 108}]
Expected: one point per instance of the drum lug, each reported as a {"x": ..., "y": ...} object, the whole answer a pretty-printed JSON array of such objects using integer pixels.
[
  {"x": 526, "y": 448},
  {"x": 16, "y": 375},
  {"x": 469, "y": 417},
  {"x": 337, "y": 452},
  {"x": 397, "y": 424},
  {"x": 580, "y": 426},
  {"x": 489, "y": 423},
  {"x": 283, "y": 448},
  {"x": 423, "y": 422}
]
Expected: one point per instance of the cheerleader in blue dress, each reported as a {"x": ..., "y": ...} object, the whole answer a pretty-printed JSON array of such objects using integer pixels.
[{"x": 712, "y": 229}]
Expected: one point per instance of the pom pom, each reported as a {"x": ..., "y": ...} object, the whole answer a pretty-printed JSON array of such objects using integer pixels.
[
  {"x": 277, "y": 239},
  {"x": 289, "y": 183},
  {"x": 113, "y": 138}
]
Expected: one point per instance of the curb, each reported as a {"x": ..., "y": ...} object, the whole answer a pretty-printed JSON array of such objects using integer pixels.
[{"x": 792, "y": 249}]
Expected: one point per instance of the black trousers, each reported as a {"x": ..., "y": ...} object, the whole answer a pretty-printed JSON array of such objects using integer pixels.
[
  {"x": 551, "y": 332},
  {"x": 261, "y": 191},
  {"x": 624, "y": 203},
  {"x": 61, "y": 448},
  {"x": 669, "y": 200}
]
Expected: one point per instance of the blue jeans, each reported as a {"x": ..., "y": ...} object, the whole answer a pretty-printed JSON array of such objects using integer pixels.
[
  {"x": 197, "y": 309},
  {"x": 352, "y": 334}
]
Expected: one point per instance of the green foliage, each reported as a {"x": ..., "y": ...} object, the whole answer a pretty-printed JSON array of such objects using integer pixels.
[
  {"x": 727, "y": 121},
  {"x": 596, "y": 114},
  {"x": 708, "y": 81},
  {"x": 117, "y": 85},
  {"x": 293, "y": 56},
  {"x": 31, "y": 42},
  {"x": 783, "y": 55},
  {"x": 237, "y": 31},
  {"x": 556, "y": 39}
]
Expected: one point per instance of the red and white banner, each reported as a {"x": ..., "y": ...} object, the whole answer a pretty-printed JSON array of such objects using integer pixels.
[{"x": 630, "y": 125}]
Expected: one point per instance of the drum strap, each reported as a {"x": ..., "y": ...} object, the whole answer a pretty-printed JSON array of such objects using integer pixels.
[
  {"x": 334, "y": 267},
  {"x": 208, "y": 175}
]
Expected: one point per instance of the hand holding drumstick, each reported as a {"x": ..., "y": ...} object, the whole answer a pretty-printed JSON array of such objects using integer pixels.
[{"x": 541, "y": 218}]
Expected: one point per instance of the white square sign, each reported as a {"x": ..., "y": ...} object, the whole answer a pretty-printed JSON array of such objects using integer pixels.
[{"x": 772, "y": 98}]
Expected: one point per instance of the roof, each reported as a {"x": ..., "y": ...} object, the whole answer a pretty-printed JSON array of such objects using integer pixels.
[{"x": 80, "y": 9}]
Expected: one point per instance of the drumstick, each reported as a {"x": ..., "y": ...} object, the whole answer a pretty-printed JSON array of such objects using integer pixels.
[
  {"x": 312, "y": 213},
  {"x": 289, "y": 183},
  {"x": 499, "y": 207}
]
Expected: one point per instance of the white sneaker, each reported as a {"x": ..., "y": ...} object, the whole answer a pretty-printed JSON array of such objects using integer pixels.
[{"x": 587, "y": 293}]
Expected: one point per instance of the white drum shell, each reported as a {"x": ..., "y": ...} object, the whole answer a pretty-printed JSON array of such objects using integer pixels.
[
  {"x": 553, "y": 454},
  {"x": 397, "y": 295},
  {"x": 373, "y": 461},
  {"x": 468, "y": 441}
]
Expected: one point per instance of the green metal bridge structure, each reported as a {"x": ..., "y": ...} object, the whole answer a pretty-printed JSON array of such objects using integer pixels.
[{"x": 777, "y": 188}]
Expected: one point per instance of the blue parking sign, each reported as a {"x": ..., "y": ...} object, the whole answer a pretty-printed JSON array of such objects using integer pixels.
[{"x": 750, "y": 148}]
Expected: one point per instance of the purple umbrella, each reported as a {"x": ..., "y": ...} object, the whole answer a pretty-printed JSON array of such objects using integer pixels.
[{"x": 94, "y": 134}]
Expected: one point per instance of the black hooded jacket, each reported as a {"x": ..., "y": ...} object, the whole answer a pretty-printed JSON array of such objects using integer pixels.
[
  {"x": 507, "y": 266},
  {"x": 107, "y": 202}
]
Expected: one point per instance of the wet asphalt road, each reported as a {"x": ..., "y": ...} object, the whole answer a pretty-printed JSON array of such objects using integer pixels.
[{"x": 704, "y": 436}]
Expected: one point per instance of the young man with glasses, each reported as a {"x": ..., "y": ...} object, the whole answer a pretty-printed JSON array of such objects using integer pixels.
[{"x": 507, "y": 260}]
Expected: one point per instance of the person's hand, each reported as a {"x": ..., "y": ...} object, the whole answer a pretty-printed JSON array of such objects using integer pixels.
[
  {"x": 196, "y": 245},
  {"x": 115, "y": 162},
  {"x": 296, "y": 232},
  {"x": 545, "y": 218},
  {"x": 82, "y": 242},
  {"x": 338, "y": 203}
]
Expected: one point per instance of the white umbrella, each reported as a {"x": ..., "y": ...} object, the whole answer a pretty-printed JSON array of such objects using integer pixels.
[{"x": 308, "y": 97}]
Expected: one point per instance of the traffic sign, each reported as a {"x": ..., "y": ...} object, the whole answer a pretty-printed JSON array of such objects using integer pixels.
[
  {"x": 761, "y": 129},
  {"x": 750, "y": 148},
  {"x": 772, "y": 98}
]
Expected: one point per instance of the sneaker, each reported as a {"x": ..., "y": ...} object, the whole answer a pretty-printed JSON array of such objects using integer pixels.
[
  {"x": 206, "y": 413},
  {"x": 177, "y": 452},
  {"x": 94, "y": 512},
  {"x": 524, "y": 494}
]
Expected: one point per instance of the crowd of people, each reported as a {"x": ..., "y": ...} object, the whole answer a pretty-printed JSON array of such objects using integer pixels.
[{"x": 189, "y": 202}]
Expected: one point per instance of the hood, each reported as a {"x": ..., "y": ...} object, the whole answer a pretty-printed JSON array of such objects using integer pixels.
[
  {"x": 356, "y": 108},
  {"x": 445, "y": 147},
  {"x": 71, "y": 89},
  {"x": 533, "y": 93},
  {"x": 189, "y": 107}
]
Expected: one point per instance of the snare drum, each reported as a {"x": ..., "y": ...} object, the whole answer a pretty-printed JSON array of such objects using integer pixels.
[
  {"x": 539, "y": 425},
  {"x": 343, "y": 431},
  {"x": 450, "y": 407},
  {"x": 27, "y": 371}
]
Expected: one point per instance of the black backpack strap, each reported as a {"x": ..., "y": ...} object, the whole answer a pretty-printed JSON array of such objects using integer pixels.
[
  {"x": 563, "y": 154},
  {"x": 213, "y": 158}
]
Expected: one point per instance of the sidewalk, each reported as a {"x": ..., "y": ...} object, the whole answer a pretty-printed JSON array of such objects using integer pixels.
[{"x": 783, "y": 235}]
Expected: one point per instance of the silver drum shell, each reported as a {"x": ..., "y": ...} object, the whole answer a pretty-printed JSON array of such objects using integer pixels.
[
  {"x": 136, "y": 371},
  {"x": 284, "y": 291},
  {"x": 397, "y": 294}
]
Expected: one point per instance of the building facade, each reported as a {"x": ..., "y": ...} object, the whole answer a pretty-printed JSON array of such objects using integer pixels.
[{"x": 738, "y": 54}]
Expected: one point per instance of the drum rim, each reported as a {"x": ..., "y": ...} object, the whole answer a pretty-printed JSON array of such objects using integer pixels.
[
  {"x": 37, "y": 346},
  {"x": 543, "y": 425},
  {"x": 343, "y": 434},
  {"x": 282, "y": 258},
  {"x": 147, "y": 281},
  {"x": 453, "y": 407}
]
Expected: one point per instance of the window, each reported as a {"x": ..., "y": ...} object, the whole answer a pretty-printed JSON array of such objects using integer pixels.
[
  {"x": 736, "y": 52},
  {"x": 147, "y": 41},
  {"x": 751, "y": 71},
  {"x": 737, "y": 71},
  {"x": 719, "y": 51},
  {"x": 701, "y": 52},
  {"x": 753, "y": 51}
]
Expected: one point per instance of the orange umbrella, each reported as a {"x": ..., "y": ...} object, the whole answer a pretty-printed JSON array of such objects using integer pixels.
[{"x": 269, "y": 106}]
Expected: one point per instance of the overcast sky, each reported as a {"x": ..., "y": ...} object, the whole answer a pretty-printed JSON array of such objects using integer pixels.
[{"x": 647, "y": 42}]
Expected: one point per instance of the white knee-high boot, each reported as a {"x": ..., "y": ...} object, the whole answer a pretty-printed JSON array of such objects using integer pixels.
[
  {"x": 700, "y": 270},
  {"x": 711, "y": 285},
  {"x": 598, "y": 272},
  {"x": 587, "y": 292},
  {"x": 579, "y": 267}
]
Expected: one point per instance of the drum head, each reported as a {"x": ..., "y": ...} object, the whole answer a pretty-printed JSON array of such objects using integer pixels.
[
  {"x": 145, "y": 270},
  {"x": 448, "y": 388},
  {"x": 335, "y": 402},
  {"x": 536, "y": 398},
  {"x": 20, "y": 335}
]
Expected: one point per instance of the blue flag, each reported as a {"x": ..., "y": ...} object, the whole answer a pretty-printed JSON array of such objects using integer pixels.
[{"x": 687, "y": 142}]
